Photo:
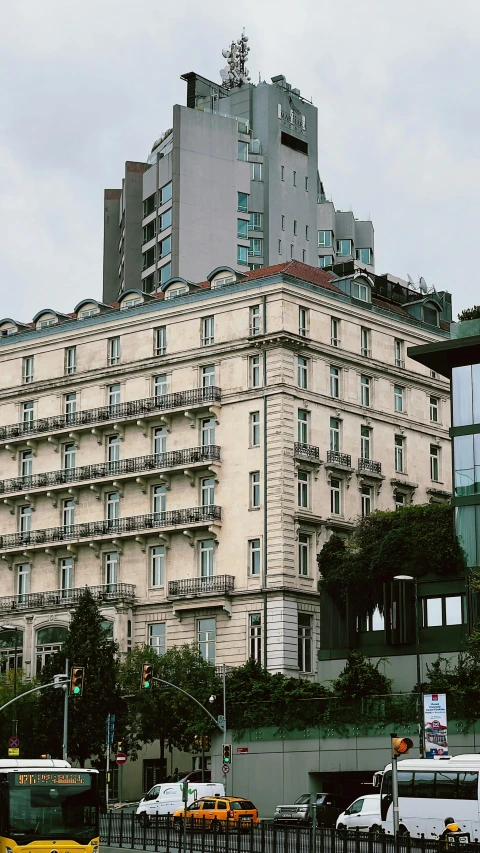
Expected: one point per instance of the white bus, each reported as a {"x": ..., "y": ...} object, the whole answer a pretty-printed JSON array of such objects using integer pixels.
[{"x": 430, "y": 790}]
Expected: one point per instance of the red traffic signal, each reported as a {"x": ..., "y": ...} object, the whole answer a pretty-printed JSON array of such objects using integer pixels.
[
  {"x": 147, "y": 676},
  {"x": 76, "y": 680},
  {"x": 401, "y": 745}
]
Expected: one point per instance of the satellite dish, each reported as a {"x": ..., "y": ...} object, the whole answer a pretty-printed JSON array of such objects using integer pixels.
[
  {"x": 423, "y": 285},
  {"x": 411, "y": 281}
]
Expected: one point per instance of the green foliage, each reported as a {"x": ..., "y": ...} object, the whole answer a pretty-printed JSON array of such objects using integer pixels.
[
  {"x": 469, "y": 314},
  {"x": 415, "y": 540},
  {"x": 162, "y": 712},
  {"x": 24, "y": 710},
  {"x": 360, "y": 678},
  {"x": 86, "y": 645}
]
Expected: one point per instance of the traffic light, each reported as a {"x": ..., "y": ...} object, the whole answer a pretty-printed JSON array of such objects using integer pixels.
[
  {"x": 227, "y": 753},
  {"x": 76, "y": 680},
  {"x": 147, "y": 676},
  {"x": 401, "y": 745}
]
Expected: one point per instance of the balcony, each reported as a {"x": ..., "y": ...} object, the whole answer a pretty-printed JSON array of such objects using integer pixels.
[
  {"x": 334, "y": 457},
  {"x": 66, "y": 597},
  {"x": 110, "y": 414},
  {"x": 306, "y": 451},
  {"x": 368, "y": 466},
  {"x": 112, "y": 470},
  {"x": 194, "y": 587},
  {"x": 111, "y": 528}
]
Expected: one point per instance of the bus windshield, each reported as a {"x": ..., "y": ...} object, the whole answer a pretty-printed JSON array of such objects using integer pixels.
[{"x": 53, "y": 806}]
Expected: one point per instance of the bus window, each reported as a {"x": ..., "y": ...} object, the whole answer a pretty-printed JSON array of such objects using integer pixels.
[
  {"x": 405, "y": 783},
  {"x": 446, "y": 786},
  {"x": 467, "y": 786},
  {"x": 424, "y": 784}
]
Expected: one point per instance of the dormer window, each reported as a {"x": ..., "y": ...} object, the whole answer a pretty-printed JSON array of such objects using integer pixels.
[
  {"x": 430, "y": 314},
  {"x": 221, "y": 282},
  {"x": 44, "y": 324},
  {"x": 176, "y": 291},
  {"x": 361, "y": 291},
  {"x": 131, "y": 303},
  {"x": 45, "y": 319},
  {"x": 89, "y": 312}
]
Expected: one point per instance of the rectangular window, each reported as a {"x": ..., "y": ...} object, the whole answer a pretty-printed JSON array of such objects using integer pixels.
[
  {"x": 160, "y": 346},
  {"x": 399, "y": 454},
  {"x": 255, "y": 636},
  {"x": 113, "y": 351},
  {"x": 365, "y": 442},
  {"x": 242, "y": 151},
  {"x": 304, "y": 256},
  {"x": 399, "y": 357},
  {"x": 334, "y": 382},
  {"x": 364, "y": 256},
  {"x": 66, "y": 576},
  {"x": 282, "y": 173},
  {"x": 27, "y": 413},
  {"x": 302, "y": 372},
  {"x": 70, "y": 360},
  {"x": 111, "y": 570},
  {"x": 208, "y": 376},
  {"x": 444, "y": 610},
  {"x": 28, "y": 369},
  {"x": 114, "y": 396},
  {"x": 303, "y": 318},
  {"x": 325, "y": 261},
  {"x": 366, "y": 495},
  {"x": 208, "y": 432},
  {"x": 304, "y": 642},
  {"x": 164, "y": 247},
  {"x": 303, "y": 489},
  {"x": 159, "y": 440},
  {"x": 398, "y": 403},
  {"x": 113, "y": 506},
  {"x": 399, "y": 500},
  {"x": 23, "y": 580},
  {"x": 302, "y": 426},
  {"x": 25, "y": 516},
  {"x": 434, "y": 405},
  {"x": 255, "y": 373},
  {"x": 165, "y": 194},
  {"x": 70, "y": 405},
  {"x": 242, "y": 255},
  {"x": 164, "y": 274},
  {"x": 69, "y": 456},
  {"x": 207, "y": 491},
  {"x": 283, "y": 222},
  {"x": 159, "y": 501},
  {"x": 334, "y": 434},
  {"x": 160, "y": 385},
  {"x": 303, "y": 554},
  {"x": 434, "y": 463},
  {"x": 242, "y": 202},
  {"x": 242, "y": 229},
  {"x": 149, "y": 232},
  {"x": 255, "y": 328},
  {"x": 165, "y": 220},
  {"x": 335, "y": 332},
  {"x": 306, "y": 232},
  {"x": 256, "y": 222},
  {"x": 255, "y": 429},
  {"x": 306, "y": 183},
  {"x": 295, "y": 227},
  {"x": 149, "y": 205},
  {"x": 279, "y": 247},
  {"x": 256, "y": 171},
  {"x": 254, "y": 556},
  {"x": 206, "y": 558},
  {"x": 68, "y": 514},
  {"x": 291, "y": 250},
  {"x": 113, "y": 450},
  {"x": 157, "y": 566},
  {"x": 325, "y": 239},
  {"x": 148, "y": 258},
  {"x": 206, "y": 639},
  {"x": 256, "y": 247},
  {"x": 365, "y": 391},
  {"x": 335, "y": 496},
  {"x": 365, "y": 342},
  {"x": 255, "y": 489},
  {"x": 26, "y": 463},
  {"x": 294, "y": 179},
  {"x": 344, "y": 248},
  {"x": 208, "y": 331},
  {"x": 157, "y": 637}
]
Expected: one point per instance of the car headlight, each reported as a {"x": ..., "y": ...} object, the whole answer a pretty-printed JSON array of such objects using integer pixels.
[{"x": 277, "y": 809}]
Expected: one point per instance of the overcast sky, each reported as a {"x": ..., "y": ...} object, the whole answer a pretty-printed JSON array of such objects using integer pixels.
[{"x": 86, "y": 86}]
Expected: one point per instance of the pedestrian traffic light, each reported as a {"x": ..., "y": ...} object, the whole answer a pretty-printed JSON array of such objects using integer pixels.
[
  {"x": 401, "y": 745},
  {"x": 147, "y": 676},
  {"x": 76, "y": 680},
  {"x": 227, "y": 753}
]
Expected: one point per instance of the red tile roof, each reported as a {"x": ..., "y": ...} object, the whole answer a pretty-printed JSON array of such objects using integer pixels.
[{"x": 314, "y": 275}]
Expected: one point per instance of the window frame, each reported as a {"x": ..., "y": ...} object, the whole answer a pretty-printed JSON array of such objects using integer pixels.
[
  {"x": 303, "y": 321},
  {"x": 304, "y": 551},
  {"x": 255, "y": 557},
  {"x": 305, "y": 642},
  {"x": 365, "y": 391},
  {"x": 303, "y": 488},
  {"x": 302, "y": 372},
  {"x": 400, "y": 467},
  {"x": 255, "y": 490},
  {"x": 255, "y": 428},
  {"x": 160, "y": 341},
  {"x": 70, "y": 360}
]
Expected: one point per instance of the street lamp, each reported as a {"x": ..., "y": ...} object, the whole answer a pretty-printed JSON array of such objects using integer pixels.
[
  {"x": 14, "y": 708},
  {"x": 407, "y": 579}
]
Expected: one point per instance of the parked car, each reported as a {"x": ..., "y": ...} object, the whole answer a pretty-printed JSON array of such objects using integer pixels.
[
  {"x": 213, "y": 812},
  {"x": 363, "y": 813},
  {"x": 167, "y": 798},
  {"x": 329, "y": 807}
]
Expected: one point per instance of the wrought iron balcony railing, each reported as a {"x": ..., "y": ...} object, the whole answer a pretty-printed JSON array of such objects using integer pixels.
[
  {"x": 111, "y": 527},
  {"x": 119, "y": 412},
  {"x": 139, "y": 464},
  {"x": 334, "y": 457},
  {"x": 66, "y": 597},
  {"x": 306, "y": 451},
  {"x": 370, "y": 466},
  {"x": 186, "y": 587}
]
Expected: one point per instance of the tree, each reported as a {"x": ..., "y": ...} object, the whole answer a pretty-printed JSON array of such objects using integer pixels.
[
  {"x": 415, "y": 540},
  {"x": 87, "y": 645},
  {"x": 162, "y": 712},
  {"x": 469, "y": 314}
]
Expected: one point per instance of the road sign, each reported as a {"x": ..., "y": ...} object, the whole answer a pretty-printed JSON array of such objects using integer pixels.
[
  {"x": 13, "y": 753},
  {"x": 14, "y": 742},
  {"x": 120, "y": 758},
  {"x": 226, "y": 768},
  {"x": 242, "y": 749}
]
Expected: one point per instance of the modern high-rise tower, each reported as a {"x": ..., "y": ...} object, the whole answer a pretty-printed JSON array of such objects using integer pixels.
[{"x": 234, "y": 180}]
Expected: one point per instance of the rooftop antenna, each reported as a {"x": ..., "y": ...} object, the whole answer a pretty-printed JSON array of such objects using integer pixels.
[
  {"x": 423, "y": 285},
  {"x": 411, "y": 282},
  {"x": 235, "y": 72}
]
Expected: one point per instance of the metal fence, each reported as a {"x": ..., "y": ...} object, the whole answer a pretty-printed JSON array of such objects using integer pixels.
[{"x": 118, "y": 829}]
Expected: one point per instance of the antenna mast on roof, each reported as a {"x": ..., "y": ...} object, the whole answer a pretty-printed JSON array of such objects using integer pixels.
[{"x": 235, "y": 72}]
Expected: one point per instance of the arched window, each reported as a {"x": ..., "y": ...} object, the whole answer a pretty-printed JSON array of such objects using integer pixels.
[
  {"x": 9, "y": 639},
  {"x": 49, "y": 641}
]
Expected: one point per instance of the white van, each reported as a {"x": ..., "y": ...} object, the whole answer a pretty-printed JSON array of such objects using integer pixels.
[
  {"x": 364, "y": 812},
  {"x": 167, "y": 798}
]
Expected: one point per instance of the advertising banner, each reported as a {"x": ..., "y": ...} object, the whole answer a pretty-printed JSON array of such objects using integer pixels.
[{"x": 435, "y": 725}]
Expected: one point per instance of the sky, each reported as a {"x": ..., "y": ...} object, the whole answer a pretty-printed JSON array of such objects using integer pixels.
[{"x": 87, "y": 86}]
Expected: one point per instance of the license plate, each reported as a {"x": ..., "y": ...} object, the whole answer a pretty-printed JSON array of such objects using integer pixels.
[{"x": 246, "y": 817}]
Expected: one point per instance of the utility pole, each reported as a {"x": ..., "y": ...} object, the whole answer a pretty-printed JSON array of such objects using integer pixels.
[
  {"x": 224, "y": 740},
  {"x": 65, "y": 715}
]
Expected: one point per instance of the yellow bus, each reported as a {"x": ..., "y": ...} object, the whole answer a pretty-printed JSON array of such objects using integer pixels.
[{"x": 47, "y": 806}]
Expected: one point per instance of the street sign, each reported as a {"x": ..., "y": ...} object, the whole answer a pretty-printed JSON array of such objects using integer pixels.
[
  {"x": 221, "y": 722},
  {"x": 226, "y": 768},
  {"x": 242, "y": 749},
  {"x": 120, "y": 758},
  {"x": 109, "y": 729},
  {"x": 14, "y": 742},
  {"x": 13, "y": 753}
]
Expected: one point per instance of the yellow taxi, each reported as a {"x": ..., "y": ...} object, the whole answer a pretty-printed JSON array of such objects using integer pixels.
[{"x": 214, "y": 812}]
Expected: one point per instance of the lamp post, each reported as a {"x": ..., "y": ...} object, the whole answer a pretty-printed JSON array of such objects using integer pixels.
[
  {"x": 408, "y": 579},
  {"x": 14, "y": 709}
]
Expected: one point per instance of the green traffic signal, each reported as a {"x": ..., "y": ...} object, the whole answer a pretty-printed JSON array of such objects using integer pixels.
[
  {"x": 147, "y": 676},
  {"x": 76, "y": 680}
]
